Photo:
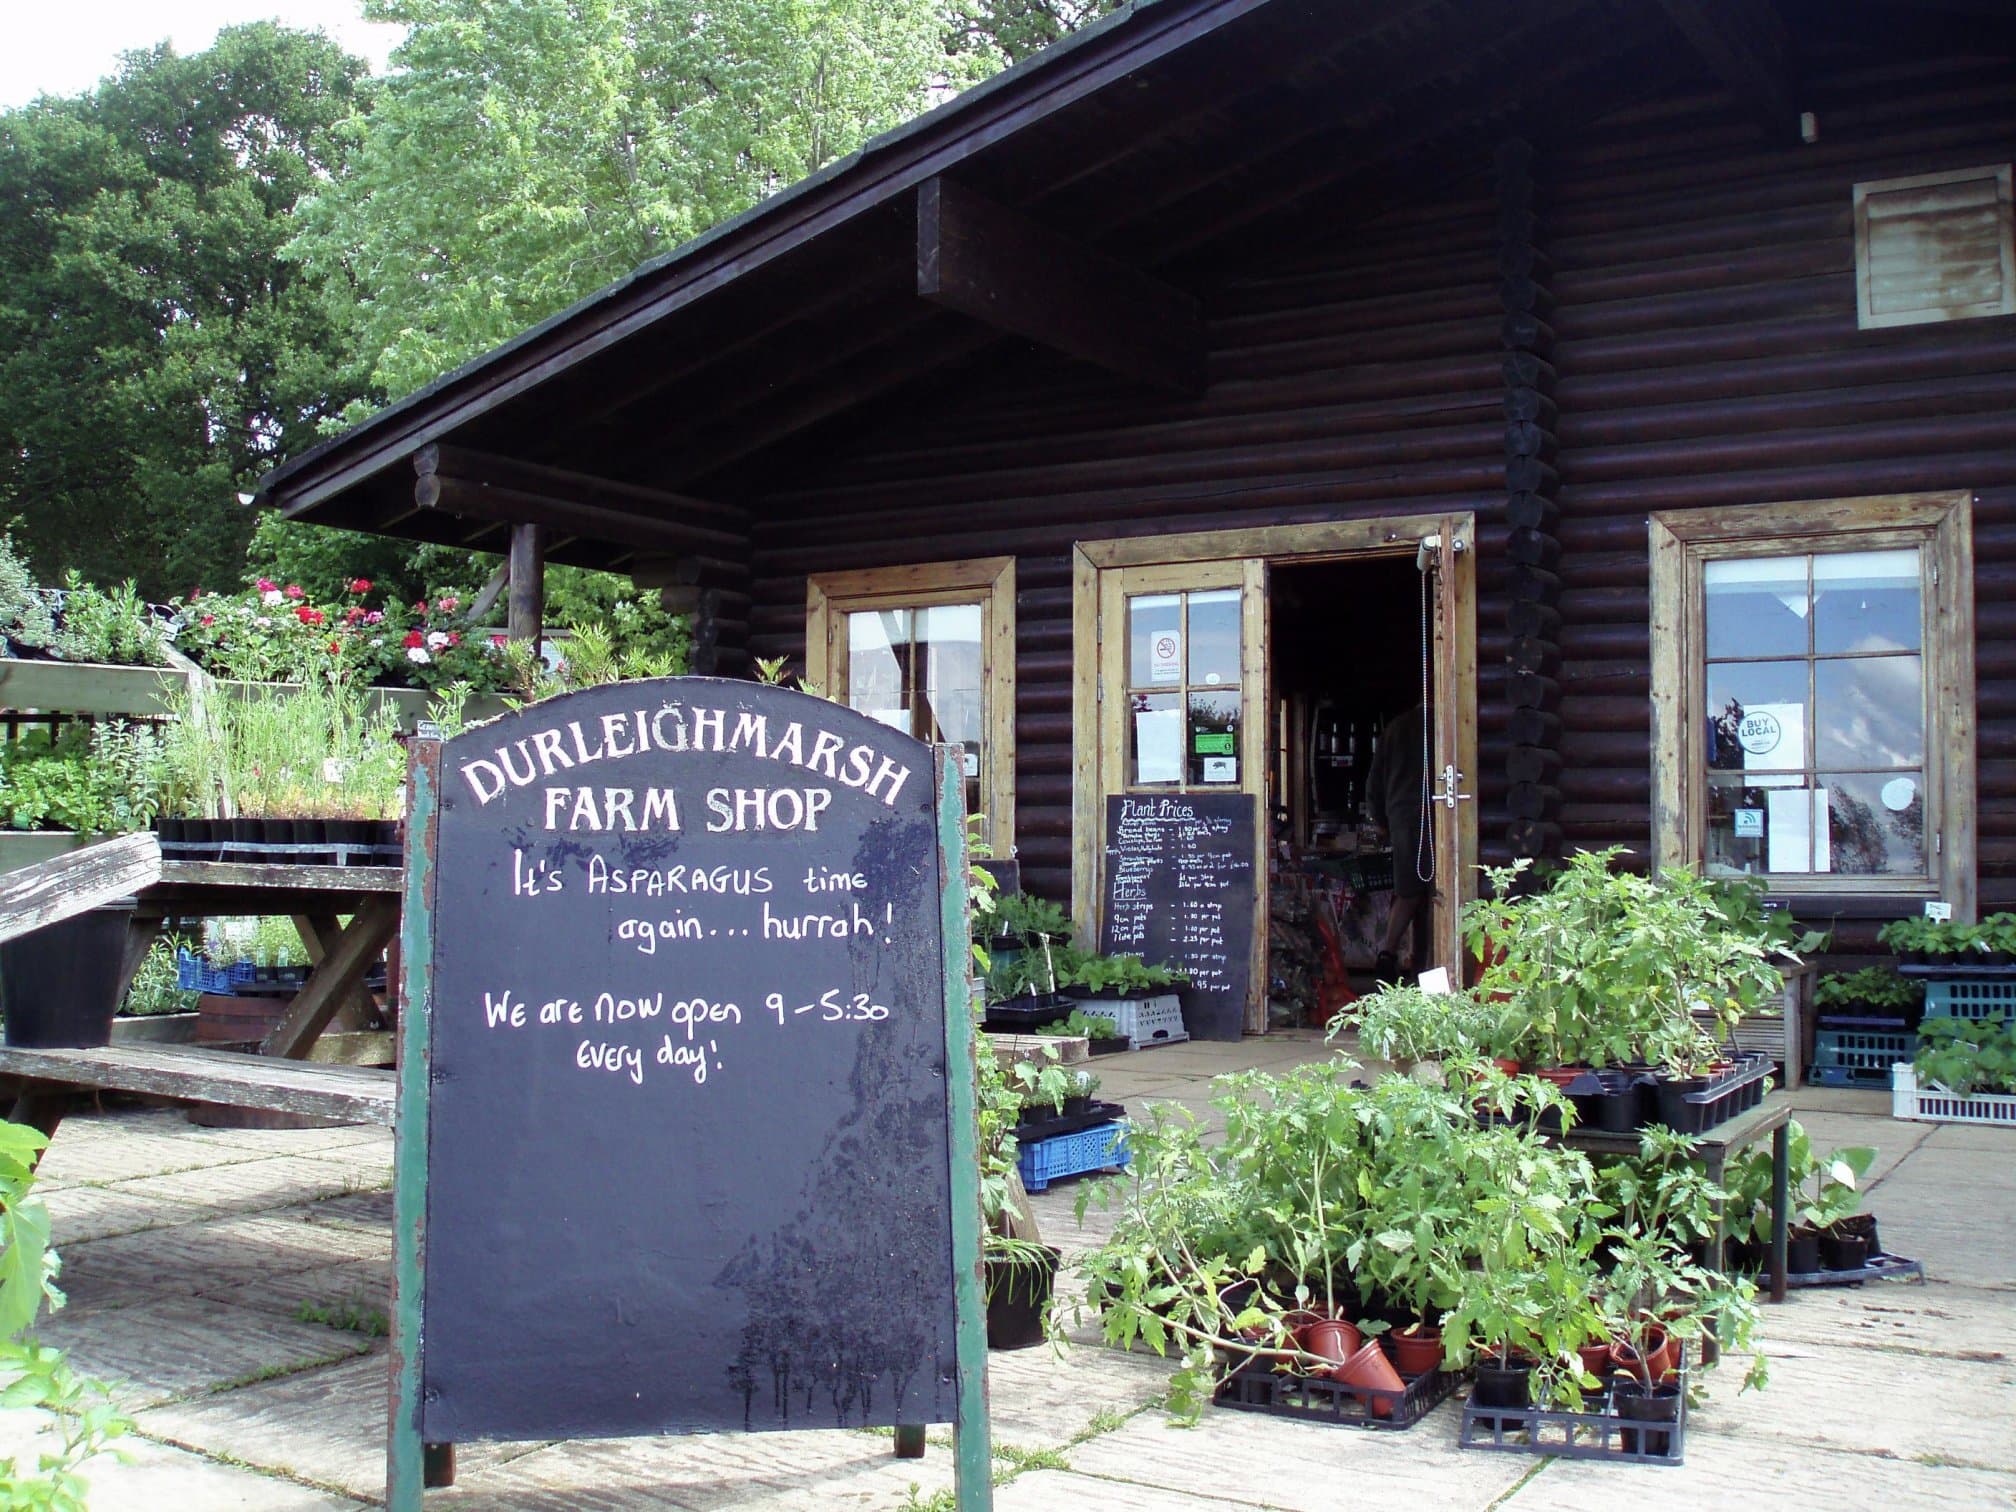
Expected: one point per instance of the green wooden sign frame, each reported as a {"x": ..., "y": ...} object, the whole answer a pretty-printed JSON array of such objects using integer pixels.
[{"x": 410, "y": 1465}]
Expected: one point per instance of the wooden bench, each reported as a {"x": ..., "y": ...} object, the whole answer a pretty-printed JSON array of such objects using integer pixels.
[{"x": 51, "y": 1081}]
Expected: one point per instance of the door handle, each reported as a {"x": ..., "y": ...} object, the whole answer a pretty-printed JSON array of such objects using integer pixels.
[{"x": 1451, "y": 780}]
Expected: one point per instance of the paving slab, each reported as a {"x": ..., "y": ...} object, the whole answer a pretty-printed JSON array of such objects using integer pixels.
[
  {"x": 81, "y": 1213},
  {"x": 1953, "y": 1136},
  {"x": 371, "y": 1209},
  {"x": 361, "y": 1285},
  {"x": 140, "y": 1153},
  {"x": 1046, "y": 1490},
  {"x": 186, "y": 1346},
  {"x": 1937, "y": 1319},
  {"x": 218, "y": 1255},
  {"x": 1873, "y": 1401},
  {"x": 297, "y": 1141},
  {"x": 1039, "y": 1398},
  {"x": 767, "y": 1470},
  {"x": 1254, "y": 1460},
  {"x": 325, "y": 1426},
  {"x": 1730, "y": 1475},
  {"x": 249, "y": 1186}
]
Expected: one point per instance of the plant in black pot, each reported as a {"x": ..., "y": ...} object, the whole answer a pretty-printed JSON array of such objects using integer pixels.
[
  {"x": 1825, "y": 1191},
  {"x": 1874, "y": 992}
]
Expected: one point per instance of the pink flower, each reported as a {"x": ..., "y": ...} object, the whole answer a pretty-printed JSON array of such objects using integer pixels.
[
  {"x": 454, "y": 638},
  {"x": 446, "y": 605},
  {"x": 293, "y": 591},
  {"x": 420, "y": 606},
  {"x": 500, "y": 640},
  {"x": 375, "y": 617},
  {"x": 353, "y": 614},
  {"x": 267, "y": 585},
  {"x": 360, "y": 585}
]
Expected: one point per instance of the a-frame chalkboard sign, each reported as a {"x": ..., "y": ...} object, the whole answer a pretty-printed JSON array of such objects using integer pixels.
[{"x": 686, "y": 1119}]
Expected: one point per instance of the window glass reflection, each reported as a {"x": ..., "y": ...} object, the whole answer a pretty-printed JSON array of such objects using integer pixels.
[{"x": 1756, "y": 606}]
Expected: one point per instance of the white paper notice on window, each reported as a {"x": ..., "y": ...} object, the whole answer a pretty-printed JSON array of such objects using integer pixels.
[
  {"x": 1801, "y": 836},
  {"x": 1158, "y": 745},
  {"x": 1221, "y": 768},
  {"x": 1165, "y": 657},
  {"x": 1773, "y": 737}
]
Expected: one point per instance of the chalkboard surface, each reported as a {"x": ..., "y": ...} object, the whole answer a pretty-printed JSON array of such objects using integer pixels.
[
  {"x": 688, "y": 1144},
  {"x": 1180, "y": 892}
]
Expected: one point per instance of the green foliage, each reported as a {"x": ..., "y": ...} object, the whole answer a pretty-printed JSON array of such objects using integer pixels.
[
  {"x": 100, "y": 779},
  {"x": 347, "y": 1314},
  {"x": 154, "y": 989},
  {"x": 1966, "y": 1056},
  {"x": 1874, "y": 986},
  {"x": 156, "y": 356},
  {"x": 24, "y": 610},
  {"x": 1122, "y": 975},
  {"x": 108, "y": 625},
  {"x": 1605, "y": 967},
  {"x": 523, "y": 156},
  {"x": 1079, "y": 1022},
  {"x": 1027, "y": 917},
  {"x": 1916, "y": 935},
  {"x": 80, "y": 1419},
  {"x": 282, "y": 752},
  {"x": 1402, "y": 1024},
  {"x": 1017, "y": 29}
]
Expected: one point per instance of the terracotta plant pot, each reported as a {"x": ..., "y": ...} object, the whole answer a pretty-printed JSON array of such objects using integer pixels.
[
  {"x": 1416, "y": 1350},
  {"x": 1330, "y": 1339},
  {"x": 1659, "y": 1358},
  {"x": 1372, "y": 1377}
]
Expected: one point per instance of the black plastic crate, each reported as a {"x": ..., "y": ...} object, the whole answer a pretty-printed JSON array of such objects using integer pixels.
[
  {"x": 1257, "y": 1387},
  {"x": 1050, "y": 1125},
  {"x": 1576, "y": 1435}
]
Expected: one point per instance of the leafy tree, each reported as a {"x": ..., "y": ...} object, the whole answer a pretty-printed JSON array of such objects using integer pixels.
[
  {"x": 524, "y": 155},
  {"x": 1015, "y": 29},
  {"x": 156, "y": 355}
]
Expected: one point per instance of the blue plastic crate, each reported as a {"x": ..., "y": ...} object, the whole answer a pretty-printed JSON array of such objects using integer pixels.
[
  {"x": 194, "y": 974},
  {"x": 1848, "y": 1076},
  {"x": 1970, "y": 997},
  {"x": 1103, "y": 1147},
  {"x": 1862, "y": 1049}
]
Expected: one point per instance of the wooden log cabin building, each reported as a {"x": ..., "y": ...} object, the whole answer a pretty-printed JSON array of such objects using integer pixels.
[{"x": 1155, "y": 416}]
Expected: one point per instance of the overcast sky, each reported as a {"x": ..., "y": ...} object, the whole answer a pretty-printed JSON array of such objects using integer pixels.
[{"x": 64, "y": 47}]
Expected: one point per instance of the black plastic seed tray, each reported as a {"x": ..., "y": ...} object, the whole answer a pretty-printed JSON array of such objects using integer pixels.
[
  {"x": 1879, "y": 1268},
  {"x": 1576, "y": 1435},
  {"x": 1257, "y": 1387},
  {"x": 1050, "y": 1125}
]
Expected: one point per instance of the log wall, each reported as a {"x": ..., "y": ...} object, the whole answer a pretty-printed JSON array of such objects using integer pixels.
[{"x": 1697, "y": 321}]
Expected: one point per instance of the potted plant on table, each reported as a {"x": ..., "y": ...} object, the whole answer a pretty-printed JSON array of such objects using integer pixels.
[{"x": 1825, "y": 1203}]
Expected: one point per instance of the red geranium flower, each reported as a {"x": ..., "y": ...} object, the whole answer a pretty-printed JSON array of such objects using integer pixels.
[
  {"x": 354, "y": 614},
  {"x": 454, "y": 639},
  {"x": 414, "y": 638},
  {"x": 209, "y": 619},
  {"x": 308, "y": 616},
  {"x": 420, "y": 606},
  {"x": 293, "y": 590},
  {"x": 265, "y": 585},
  {"x": 500, "y": 640},
  {"x": 360, "y": 585},
  {"x": 335, "y": 648}
]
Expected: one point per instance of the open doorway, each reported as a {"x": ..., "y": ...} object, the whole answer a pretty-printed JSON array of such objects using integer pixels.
[{"x": 1352, "y": 860}]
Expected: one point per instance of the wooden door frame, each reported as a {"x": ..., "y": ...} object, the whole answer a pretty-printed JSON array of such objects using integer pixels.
[{"x": 1269, "y": 546}]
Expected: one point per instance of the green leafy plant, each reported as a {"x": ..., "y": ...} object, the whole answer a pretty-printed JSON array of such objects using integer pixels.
[
  {"x": 1027, "y": 917},
  {"x": 1079, "y": 1022},
  {"x": 80, "y": 1419},
  {"x": 1873, "y": 986},
  {"x": 1122, "y": 976},
  {"x": 102, "y": 779},
  {"x": 154, "y": 990},
  {"x": 109, "y": 625},
  {"x": 1965, "y": 1056},
  {"x": 1603, "y": 966},
  {"x": 1824, "y": 1189},
  {"x": 1403, "y": 1025},
  {"x": 24, "y": 608}
]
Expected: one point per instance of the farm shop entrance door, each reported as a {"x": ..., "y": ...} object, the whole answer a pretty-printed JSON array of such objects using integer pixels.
[{"x": 1125, "y": 591}]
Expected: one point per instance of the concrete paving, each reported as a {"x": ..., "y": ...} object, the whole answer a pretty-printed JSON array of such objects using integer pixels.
[{"x": 231, "y": 1285}]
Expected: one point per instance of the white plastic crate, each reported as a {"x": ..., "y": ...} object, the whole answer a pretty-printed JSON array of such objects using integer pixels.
[
  {"x": 1143, "y": 1021},
  {"x": 1930, "y": 1105}
]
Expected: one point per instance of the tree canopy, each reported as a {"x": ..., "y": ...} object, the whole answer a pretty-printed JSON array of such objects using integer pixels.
[{"x": 156, "y": 354}]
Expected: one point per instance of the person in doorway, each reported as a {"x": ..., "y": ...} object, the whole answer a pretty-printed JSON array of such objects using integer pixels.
[{"x": 1399, "y": 806}]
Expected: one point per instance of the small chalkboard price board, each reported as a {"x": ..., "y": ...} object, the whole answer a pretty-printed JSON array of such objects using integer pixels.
[
  {"x": 1180, "y": 892},
  {"x": 689, "y": 964}
]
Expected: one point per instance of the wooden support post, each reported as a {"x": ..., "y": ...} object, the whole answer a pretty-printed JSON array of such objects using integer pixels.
[
  {"x": 408, "y": 1461},
  {"x": 528, "y": 582},
  {"x": 319, "y": 933},
  {"x": 973, "y": 1466},
  {"x": 332, "y": 982},
  {"x": 909, "y": 1441}
]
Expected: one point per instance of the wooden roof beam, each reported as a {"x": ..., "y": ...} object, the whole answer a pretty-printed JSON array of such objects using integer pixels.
[
  {"x": 997, "y": 266},
  {"x": 472, "y": 498},
  {"x": 1745, "y": 45},
  {"x": 507, "y": 473}
]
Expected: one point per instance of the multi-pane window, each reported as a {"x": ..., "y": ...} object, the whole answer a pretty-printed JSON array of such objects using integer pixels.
[
  {"x": 921, "y": 671},
  {"x": 1183, "y": 653},
  {"x": 1815, "y": 729},
  {"x": 1813, "y": 694}
]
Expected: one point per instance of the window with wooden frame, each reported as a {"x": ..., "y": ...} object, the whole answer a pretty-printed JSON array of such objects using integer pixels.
[
  {"x": 929, "y": 650},
  {"x": 1935, "y": 246},
  {"x": 1813, "y": 695}
]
